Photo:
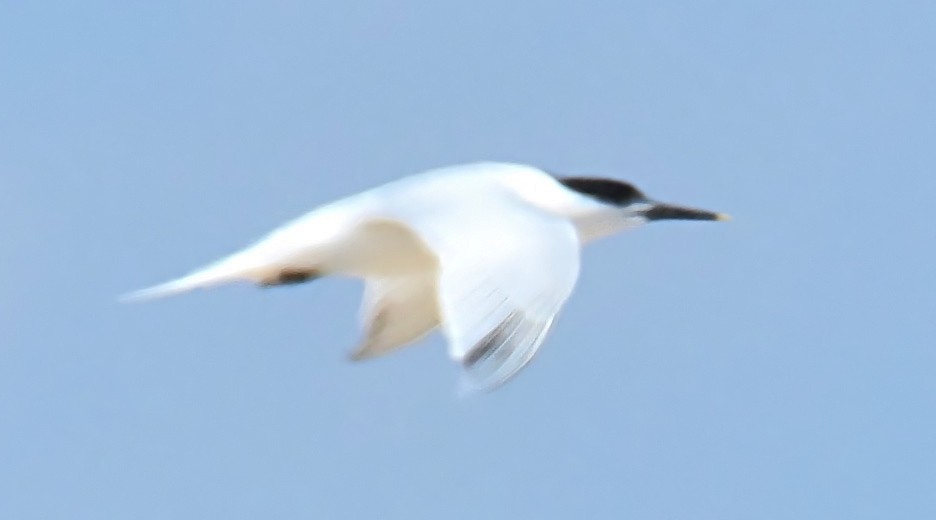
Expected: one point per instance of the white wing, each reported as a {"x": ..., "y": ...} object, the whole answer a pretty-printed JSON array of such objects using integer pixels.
[
  {"x": 505, "y": 271},
  {"x": 396, "y": 311}
]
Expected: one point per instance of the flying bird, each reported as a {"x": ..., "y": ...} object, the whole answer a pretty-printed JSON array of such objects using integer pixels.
[{"x": 487, "y": 252}]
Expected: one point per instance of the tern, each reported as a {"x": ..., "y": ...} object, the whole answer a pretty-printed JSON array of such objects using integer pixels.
[{"x": 486, "y": 252}]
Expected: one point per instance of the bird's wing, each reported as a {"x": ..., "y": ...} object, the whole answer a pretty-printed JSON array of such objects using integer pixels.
[
  {"x": 397, "y": 310},
  {"x": 505, "y": 271}
]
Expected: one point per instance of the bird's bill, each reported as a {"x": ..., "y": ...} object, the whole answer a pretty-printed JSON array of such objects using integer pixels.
[{"x": 671, "y": 212}]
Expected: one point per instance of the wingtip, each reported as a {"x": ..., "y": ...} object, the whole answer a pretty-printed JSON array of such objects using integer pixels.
[
  {"x": 470, "y": 387},
  {"x": 139, "y": 296},
  {"x": 130, "y": 297},
  {"x": 151, "y": 293}
]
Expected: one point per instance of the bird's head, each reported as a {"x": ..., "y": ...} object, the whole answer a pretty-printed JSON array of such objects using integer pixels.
[{"x": 619, "y": 205}]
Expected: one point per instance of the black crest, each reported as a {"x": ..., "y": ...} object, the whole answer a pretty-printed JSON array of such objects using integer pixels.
[{"x": 609, "y": 191}]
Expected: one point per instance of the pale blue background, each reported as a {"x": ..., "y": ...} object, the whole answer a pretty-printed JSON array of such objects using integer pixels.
[{"x": 780, "y": 366}]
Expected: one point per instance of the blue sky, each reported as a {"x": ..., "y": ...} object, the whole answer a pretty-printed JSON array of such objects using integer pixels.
[{"x": 780, "y": 366}]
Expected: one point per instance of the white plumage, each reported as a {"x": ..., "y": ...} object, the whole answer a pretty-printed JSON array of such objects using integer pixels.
[{"x": 489, "y": 252}]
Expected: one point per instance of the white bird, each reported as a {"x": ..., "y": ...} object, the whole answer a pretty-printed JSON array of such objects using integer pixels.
[{"x": 489, "y": 252}]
